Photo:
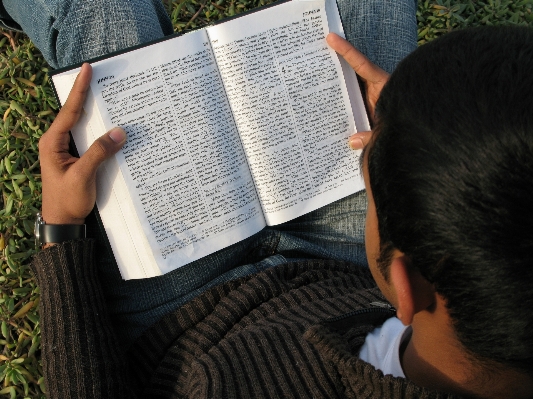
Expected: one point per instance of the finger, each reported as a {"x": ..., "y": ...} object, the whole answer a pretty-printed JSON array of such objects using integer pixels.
[
  {"x": 71, "y": 111},
  {"x": 103, "y": 148},
  {"x": 359, "y": 140},
  {"x": 357, "y": 60}
]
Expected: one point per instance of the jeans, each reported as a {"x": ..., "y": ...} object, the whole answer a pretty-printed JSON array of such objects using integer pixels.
[{"x": 71, "y": 31}]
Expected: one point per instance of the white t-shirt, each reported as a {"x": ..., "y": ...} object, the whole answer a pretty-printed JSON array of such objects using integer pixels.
[{"x": 382, "y": 347}]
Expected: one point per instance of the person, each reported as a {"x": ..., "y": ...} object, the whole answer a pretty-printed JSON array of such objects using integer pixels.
[
  {"x": 448, "y": 174},
  {"x": 448, "y": 171}
]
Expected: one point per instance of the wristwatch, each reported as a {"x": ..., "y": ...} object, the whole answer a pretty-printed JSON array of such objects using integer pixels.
[{"x": 56, "y": 233}]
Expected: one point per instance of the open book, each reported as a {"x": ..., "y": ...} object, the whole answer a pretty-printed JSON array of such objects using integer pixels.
[{"x": 230, "y": 128}]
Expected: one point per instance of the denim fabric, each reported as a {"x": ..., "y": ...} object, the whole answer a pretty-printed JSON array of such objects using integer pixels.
[
  {"x": 70, "y": 31},
  {"x": 6, "y": 21},
  {"x": 383, "y": 30},
  {"x": 335, "y": 231}
]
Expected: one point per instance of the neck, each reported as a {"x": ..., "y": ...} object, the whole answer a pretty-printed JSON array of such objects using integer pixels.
[{"x": 433, "y": 358}]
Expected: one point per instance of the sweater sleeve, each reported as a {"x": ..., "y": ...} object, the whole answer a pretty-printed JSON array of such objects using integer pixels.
[{"x": 80, "y": 352}]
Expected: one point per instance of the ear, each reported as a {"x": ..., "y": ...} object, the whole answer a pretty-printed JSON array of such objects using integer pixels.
[{"x": 413, "y": 292}]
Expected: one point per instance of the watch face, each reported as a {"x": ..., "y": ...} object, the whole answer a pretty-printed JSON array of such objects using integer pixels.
[{"x": 38, "y": 222}]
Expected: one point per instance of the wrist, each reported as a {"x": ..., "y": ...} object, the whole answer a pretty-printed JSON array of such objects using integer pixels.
[
  {"x": 48, "y": 234},
  {"x": 59, "y": 218}
]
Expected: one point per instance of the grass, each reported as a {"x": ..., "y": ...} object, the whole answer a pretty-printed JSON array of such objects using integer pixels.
[{"x": 27, "y": 108}]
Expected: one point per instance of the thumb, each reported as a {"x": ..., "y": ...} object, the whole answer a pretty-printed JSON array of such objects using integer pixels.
[
  {"x": 104, "y": 147},
  {"x": 359, "y": 140}
]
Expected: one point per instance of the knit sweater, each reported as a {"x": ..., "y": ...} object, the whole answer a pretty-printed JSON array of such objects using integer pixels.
[{"x": 292, "y": 331}]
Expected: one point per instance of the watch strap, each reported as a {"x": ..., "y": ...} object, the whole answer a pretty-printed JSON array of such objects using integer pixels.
[{"x": 56, "y": 233}]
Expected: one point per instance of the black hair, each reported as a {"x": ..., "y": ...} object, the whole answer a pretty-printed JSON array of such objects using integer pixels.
[{"x": 451, "y": 172}]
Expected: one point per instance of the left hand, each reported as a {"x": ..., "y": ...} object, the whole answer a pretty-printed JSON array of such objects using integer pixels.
[{"x": 69, "y": 183}]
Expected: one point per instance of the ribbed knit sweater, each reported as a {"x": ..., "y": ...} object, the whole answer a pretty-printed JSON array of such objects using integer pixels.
[{"x": 292, "y": 331}]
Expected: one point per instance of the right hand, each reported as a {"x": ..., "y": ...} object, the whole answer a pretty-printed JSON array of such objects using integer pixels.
[{"x": 373, "y": 77}]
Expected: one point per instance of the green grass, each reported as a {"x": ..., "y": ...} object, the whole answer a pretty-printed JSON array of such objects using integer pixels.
[{"x": 27, "y": 108}]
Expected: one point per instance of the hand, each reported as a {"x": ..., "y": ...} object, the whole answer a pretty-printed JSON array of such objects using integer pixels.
[
  {"x": 359, "y": 140},
  {"x": 373, "y": 76},
  {"x": 69, "y": 183}
]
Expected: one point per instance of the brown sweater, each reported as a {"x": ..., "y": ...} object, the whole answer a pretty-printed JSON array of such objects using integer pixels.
[{"x": 292, "y": 331}]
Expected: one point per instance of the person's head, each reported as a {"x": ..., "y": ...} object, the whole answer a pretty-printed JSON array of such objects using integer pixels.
[{"x": 451, "y": 175}]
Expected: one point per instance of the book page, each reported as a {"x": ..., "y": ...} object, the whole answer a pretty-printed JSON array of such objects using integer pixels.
[
  {"x": 134, "y": 259},
  {"x": 183, "y": 163},
  {"x": 290, "y": 103}
]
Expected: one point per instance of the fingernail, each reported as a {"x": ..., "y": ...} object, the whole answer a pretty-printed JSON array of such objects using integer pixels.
[
  {"x": 117, "y": 134},
  {"x": 356, "y": 143}
]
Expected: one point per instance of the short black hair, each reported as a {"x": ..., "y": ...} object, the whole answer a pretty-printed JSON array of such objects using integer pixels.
[{"x": 451, "y": 172}]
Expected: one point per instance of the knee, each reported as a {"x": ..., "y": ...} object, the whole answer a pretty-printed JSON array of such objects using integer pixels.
[
  {"x": 72, "y": 31},
  {"x": 89, "y": 29}
]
